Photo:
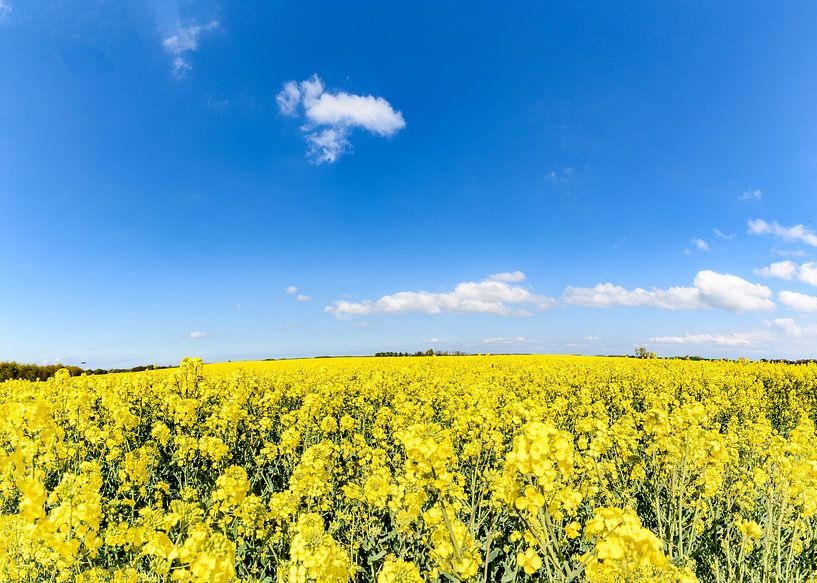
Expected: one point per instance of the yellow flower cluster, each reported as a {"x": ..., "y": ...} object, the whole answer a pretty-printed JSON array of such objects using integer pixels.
[
  {"x": 399, "y": 571},
  {"x": 624, "y": 550},
  {"x": 396, "y": 470},
  {"x": 315, "y": 555}
]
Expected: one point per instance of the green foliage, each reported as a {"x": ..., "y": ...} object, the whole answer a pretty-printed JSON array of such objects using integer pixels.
[
  {"x": 429, "y": 352},
  {"x": 642, "y": 352},
  {"x": 32, "y": 372}
]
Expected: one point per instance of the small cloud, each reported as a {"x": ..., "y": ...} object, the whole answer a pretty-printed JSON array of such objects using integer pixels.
[
  {"x": 186, "y": 40},
  {"x": 780, "y": 269},
  {"x": 181, "y": 66},
  {"x": 806, "y": 272},
  {"x": 798, "y": 302},
  {"x": 788, "y": 252},
  {"x": 561, "y": 176},
  {"x": 721, "y": 235},
  {"x": 563, "y": 180},
  {"x": 592, "y": 338},
  {"x": 786, "y": 325},
  {"x": 797, "y": 233},
  {"x": 511, "y": 277},
  {"x": 505, "y": 340},
  {"x": 733, "y": 339},
  {"x": 293, "y": 291},
  {"x": 5, "y": 8},
  {"x": 288, "y": 98},
  {"x": 434, "y": 341},
  {"x": 789, "y": 328},
  {"x": 750, "y": 194},
  {"x": 330, "y": 118},
  {"x": 700, "y": 244},
  {"x": 291, "y": 326},
  {"x": 197, "y": 334},
  {"x": 217, "y": 104},
  {"x": 497, "y": 340},
  {"x": 327, "y": 145}
]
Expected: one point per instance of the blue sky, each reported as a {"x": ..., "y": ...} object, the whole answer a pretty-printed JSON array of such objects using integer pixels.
[{"x": 544, "y": 177}]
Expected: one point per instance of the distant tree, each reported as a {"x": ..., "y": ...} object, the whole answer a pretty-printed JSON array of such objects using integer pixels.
[
  {"x": 642, "y": 352},
  {"x": 32, "y": 372},
  {"x": 429, "y": 352}
]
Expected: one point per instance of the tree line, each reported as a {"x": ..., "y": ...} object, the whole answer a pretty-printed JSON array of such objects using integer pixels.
[
  {"x": 33, "y": 372},
  {"x": 429, "y": 352},
  {"x": 41, "y": 372}
]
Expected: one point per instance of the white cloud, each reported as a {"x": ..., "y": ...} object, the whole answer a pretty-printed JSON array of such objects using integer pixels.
[
  {"x": 806, "y": 272},
  {"x": 721, "y": 235},
  {"x": 434, "y": 340},
  {"x": 288, "y": 98},
  {"x": 733, "y": 339},
  {"x": 781, "y": 269},
  {"x": 711, "y": 290},
  {"x": 797, "y": 233},
  {"x": 605, "y": 295},
  {"x": 331, "y": 117},
  {"x": 504, "y": 340},
  {"x": 782, "y": 333},
  {"x": 756, "y": 194},
  {"x": 186, "y": 40},
  {"x": 786, "y": 325},
  {"x": 798, "y": 302},
  {"x": 488, "y": 296},
  {"x": 342, "y": 109},
  {"x": 511, "y": 277},
  {"x": 722, "y": 290},
  {"x": 197, "y": 334},
  {"x": 327, "y": 145},
  {"x": 497, "y": 340},
  {"x": 561, "y": 177},
  {"x": 5, "y": 8},
  {"x": 700, "y": 244},
  {"x": 293, "y": 290},
  {"x": 592, "y": 338},
  {"x": 788, "y": 252}
]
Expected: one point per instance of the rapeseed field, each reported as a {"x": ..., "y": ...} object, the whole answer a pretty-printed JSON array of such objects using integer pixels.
[{"x": 485, "y": 468}]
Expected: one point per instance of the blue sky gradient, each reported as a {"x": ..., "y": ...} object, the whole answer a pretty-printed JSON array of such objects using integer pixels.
[{"x": 156, "y": 202}]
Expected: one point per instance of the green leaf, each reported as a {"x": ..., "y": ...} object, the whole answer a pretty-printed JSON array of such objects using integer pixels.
[{"x": 376, "y": 557}]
